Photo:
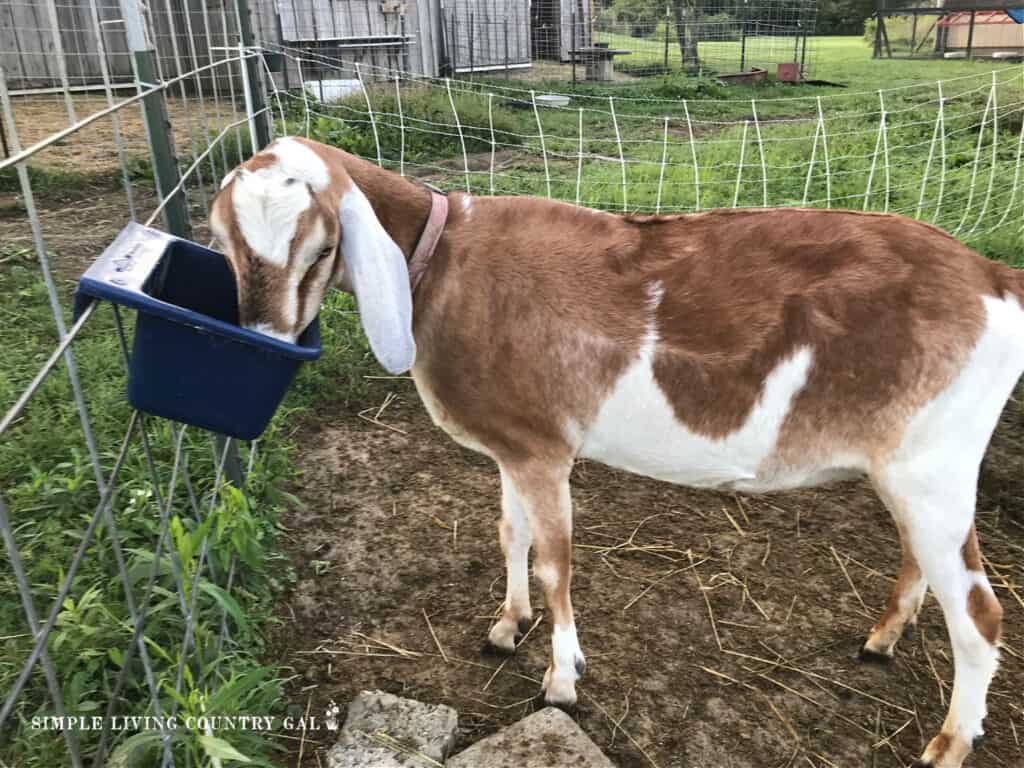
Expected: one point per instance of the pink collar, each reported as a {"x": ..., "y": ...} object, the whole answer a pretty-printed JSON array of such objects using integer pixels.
[{"x": 428, "y": 239}]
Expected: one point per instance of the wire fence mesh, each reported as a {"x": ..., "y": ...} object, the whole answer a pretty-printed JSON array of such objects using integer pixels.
[
  {"x": 622, "y": 41},
  {"x": 68, "y": 45},
  {"x": 126, "y": 538}
]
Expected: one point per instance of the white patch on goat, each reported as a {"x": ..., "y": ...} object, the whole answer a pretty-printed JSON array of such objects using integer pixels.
[
  {"x": 573, "y": 433},
  {"x": 298, "y": 161},
  {"x": 933, "y": 478},
  {"x": 636, "y": 428},
  {"x": 519, "y": 538},
  {"x": 547, "y": 574},
  {"x": 467, "y": 206},
  {"x": 565, "y": 651},
  {"x": 307, "y": 252},
  {"x": 964, "y": 415},
  {"x": 268, "y": 204},
  {"x": 268, "y": 330}
]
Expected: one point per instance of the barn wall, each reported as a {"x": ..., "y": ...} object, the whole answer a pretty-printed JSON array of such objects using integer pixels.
[
  {"x": 344, "y": 32},
  {"x": 581, "y": 8},
  {"x": 334, "y": 28},
  {"x": 182, "y": 30},
  {"x": 413, "y": 38}
]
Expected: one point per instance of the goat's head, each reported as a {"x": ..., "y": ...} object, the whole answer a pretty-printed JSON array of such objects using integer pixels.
[{"x": 293, "y": 224}]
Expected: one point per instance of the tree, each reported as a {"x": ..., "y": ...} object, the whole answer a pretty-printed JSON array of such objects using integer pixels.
[
  {"x": 640, "y": 15},
  {"x": 843, "y": 17},
  {"x": 687, "y": 13}
]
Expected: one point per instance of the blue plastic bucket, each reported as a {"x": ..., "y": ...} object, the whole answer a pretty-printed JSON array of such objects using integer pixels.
[{"x": 191, "y": 361}]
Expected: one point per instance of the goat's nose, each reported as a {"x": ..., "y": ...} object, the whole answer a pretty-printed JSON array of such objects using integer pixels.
[{"x": 268, "y": 330}]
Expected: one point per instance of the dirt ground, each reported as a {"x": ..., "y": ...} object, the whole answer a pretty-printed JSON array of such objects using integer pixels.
[
  {"x": 400, "y": 573},
  {"x": 94, "y": 148}
]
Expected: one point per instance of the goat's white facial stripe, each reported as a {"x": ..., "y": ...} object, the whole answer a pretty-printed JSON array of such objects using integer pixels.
[
  {"x": 268, "y": 330},
  {"x": 309, "y": 249},
  {"x": 268, "y": 204},
  {"x": 297, "y": 161}
]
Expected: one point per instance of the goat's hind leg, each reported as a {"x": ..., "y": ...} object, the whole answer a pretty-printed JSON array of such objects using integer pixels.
[
  {"x": 938, "y": 517},
  {"x": 515, "y": 536},
  {"x": 900, "y": 617}
]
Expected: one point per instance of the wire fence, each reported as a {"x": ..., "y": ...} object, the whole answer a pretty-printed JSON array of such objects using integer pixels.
[
  {"x": 72, "y": 45},
  {"x": 609, "y": 51},
  {"x": 126, "y": 538}
]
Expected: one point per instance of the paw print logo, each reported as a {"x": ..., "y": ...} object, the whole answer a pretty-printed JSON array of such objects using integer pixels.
[{"x": 332, "y": 716}]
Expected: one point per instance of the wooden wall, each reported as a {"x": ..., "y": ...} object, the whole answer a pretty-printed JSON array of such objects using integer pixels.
[
  {"x": 183, "y": 30},
  {"x": 1007, "y": 36},
  {"x": 387, "y": 35}
]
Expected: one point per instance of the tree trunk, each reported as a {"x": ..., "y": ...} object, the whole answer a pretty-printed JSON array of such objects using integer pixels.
[
  {"x": 679, "y": 7},
  {"x": 687, "y": 18}
]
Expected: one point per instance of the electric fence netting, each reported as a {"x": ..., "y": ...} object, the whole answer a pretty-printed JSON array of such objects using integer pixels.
[{"x": 946, "y": 152}]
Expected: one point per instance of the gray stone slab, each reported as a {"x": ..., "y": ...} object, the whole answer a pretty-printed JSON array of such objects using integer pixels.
[
  {"x": 545, "y": 739},
  {"x": 423, "y": 730}
]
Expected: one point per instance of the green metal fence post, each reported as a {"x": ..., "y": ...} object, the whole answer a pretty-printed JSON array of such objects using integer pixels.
[
  {"x": 158, "y": 127},
  {"x": 255, "y": 102},
  {"x": 668, "y": 16}
]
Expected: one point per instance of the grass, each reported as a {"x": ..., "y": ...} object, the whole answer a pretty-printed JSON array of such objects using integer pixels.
[
  {"x": 46, "y": 475},
  {"x": 50, "y": 489},
  {"x": 51, "y": 492}
]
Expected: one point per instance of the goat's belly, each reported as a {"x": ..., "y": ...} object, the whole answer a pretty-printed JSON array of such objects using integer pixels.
[{"x": 637, "y": 430}]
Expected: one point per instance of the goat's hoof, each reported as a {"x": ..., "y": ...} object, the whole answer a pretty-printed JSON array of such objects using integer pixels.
[
  {"x": 977, "y": 742},
  {"x": 910, "y": 631},
  {"x": 546, "y": 699},
  {"x": 503, "y": 637},
  {"x": 523, "y": 625},
  {"x": 569, "y": 707},
  {"x": 873, "y": 657},
  {"x": 559, "y": 691},
  {"x": 922, "y": 764},
  {"x": 490, "y": 649},
  {"x": 581, "y": 666}
]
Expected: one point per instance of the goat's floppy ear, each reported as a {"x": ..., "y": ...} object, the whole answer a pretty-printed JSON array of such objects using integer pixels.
[{"x": 375, "y": 268}]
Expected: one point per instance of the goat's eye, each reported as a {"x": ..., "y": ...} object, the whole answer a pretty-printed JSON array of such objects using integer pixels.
[{"x": 324, "y": 254}]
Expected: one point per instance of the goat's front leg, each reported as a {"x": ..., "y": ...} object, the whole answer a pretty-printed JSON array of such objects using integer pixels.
[
  {"x": 543, "y": 491},
  {"x": 514, "y": 533}
]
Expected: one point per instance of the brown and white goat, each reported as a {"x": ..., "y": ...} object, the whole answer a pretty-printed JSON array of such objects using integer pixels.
[{"x": 753, "y": 350}]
